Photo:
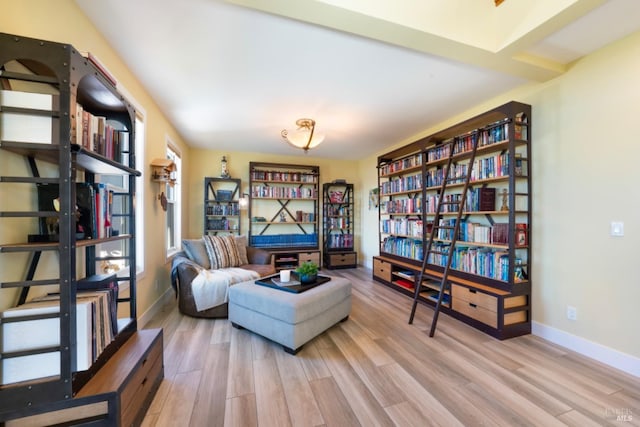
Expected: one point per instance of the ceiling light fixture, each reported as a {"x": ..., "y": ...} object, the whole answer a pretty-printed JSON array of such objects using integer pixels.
[{"x": 304, "y": 137}]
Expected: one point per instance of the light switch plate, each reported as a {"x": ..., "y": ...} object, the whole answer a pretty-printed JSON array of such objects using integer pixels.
[{"x": 617, "y": 228}]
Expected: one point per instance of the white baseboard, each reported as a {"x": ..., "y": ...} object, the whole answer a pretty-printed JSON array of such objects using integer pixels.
[
  {"x": 614, "y": 358},
  {"x": 155, "y": 307}
]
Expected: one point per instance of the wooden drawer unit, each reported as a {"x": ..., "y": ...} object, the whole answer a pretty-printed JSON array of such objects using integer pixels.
[
  {"x": 341, "y": 260},
  {"x": 314, "y": 257},
  {"x": 133, "y": 375},
  {"x": 381, "y": 269},
  {"x": 477, "y": 305}
]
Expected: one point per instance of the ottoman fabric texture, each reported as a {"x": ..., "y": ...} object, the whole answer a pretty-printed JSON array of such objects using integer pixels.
[{"x": 287, "y": 318}]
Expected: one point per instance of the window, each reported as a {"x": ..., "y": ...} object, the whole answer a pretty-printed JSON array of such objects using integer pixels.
[
  {"x": 173, "y": 204},
  {"x": 113, "y": 256},
  {"x": 140, "y": 166}
]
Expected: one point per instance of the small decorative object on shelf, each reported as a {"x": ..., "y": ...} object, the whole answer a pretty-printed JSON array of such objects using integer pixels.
[
  {"x": 307, "y": 272},
  {"x": 505, "y": 204},
  {"x": 225, "y": 172}
]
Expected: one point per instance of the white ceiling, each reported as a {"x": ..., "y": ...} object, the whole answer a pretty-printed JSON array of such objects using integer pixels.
[{"x": 230, "y": 75}]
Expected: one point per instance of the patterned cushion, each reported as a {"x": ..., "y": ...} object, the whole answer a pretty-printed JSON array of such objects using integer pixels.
[
  {"x": 197, "y": 252},
  {"x": 222, "y": 251},
  {"x": 241, "y": 245}
]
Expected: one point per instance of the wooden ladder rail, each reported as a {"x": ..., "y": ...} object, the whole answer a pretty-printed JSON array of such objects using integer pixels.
[{"x": 454, "y": 238}]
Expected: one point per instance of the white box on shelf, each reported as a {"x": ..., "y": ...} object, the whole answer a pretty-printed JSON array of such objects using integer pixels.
[
  {"x": 24, "y": 127},
  {"x": 42, "y": 333}
]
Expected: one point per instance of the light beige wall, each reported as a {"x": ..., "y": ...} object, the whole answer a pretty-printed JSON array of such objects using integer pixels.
[
  {"x": 62, "y": 21},
  {"x": 207, "y": 163},
  {"x": 585, "y": 175}
]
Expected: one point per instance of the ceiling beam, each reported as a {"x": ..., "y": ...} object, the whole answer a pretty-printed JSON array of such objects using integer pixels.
[{"x": 510, "y": 59}]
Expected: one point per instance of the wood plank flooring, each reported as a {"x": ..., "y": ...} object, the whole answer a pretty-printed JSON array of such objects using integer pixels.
[{"x": 377, "y": 370}]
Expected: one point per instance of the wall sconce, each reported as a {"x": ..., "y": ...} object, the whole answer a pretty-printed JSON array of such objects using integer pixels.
[
  {"x": 243, "y": 202},
  {"x": 163, "y": 171}
]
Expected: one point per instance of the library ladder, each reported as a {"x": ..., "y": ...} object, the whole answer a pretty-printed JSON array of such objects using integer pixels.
[{"x": 445, "y": 249}]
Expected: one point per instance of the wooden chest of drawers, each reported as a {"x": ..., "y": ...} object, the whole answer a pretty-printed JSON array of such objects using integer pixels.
[
  {"x": 341, "y": 260},
  {"x": 382, "y": 269}
]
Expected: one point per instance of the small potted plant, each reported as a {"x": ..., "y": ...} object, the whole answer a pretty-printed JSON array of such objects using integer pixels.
[{"x": 307, "y": 272}]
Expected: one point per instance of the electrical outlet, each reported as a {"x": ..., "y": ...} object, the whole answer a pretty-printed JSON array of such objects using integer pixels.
[{"x": 572, "y": 313}]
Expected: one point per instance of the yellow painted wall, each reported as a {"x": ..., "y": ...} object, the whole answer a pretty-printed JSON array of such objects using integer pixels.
[
  {"x": 207, "y": 163},
  {"x": 62, "y": 21}
]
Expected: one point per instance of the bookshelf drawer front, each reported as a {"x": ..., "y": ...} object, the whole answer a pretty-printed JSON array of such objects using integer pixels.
[
  {"x": 313, "y": 257},
  {"x": 142, "y": 379},
  {"x": 515, "y": 317},
  {"x": 342, "y": 259},
  {"x": 142, "y": 392},
  {"x": 476, "y": 312},
  {"x": 382, "y": 269},
  {"x": 470, "y": 295},
  {"x": 517, "y": 301}
]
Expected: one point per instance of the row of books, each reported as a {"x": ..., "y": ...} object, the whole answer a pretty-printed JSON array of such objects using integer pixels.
[
  {"x": 338, "y": 210},
  {"x": 401, "y": 164},
  {"x": 488, "y": 167},
  {"x": 221, "y": 224},
  {"x": 497, "y": 233},
  {"x": 405, "y": 206},
  {"x": 302, "y": 216},
  {"x": 223, "y": 209},
  {"x": 498, "y": 132},
  {"x": 404, "y": 247},
  {"x": 284, "y": 240},
  {"x": 398, "y": 185},
  {"x": 404, "y": 226},
  {"x": 30, "y": 333},
  {"x": 96, "y": 134},
  {"x": 284, "y": 192},
  {"x": 480, "y": 261},
  {"x": 94, "y": 206},
  {"x": 338, "y": 223},
  {"x": 284, "y": 176},
  {"x": 340, "y": 241}
]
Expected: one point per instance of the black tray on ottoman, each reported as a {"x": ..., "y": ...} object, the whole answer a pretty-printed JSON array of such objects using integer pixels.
[{"x": 294, "y": 288}]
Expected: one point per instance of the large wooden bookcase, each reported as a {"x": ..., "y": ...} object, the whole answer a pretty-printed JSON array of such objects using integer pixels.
[
  {"x": 283, "y": 212},
  {"x": 490, "y": 287},
  {"x": 50, "y": 138},
  {"x": 221, "y": 206}
]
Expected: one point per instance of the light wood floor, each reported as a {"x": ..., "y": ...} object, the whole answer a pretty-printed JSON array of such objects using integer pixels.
[{"x": 375, "y": 369}]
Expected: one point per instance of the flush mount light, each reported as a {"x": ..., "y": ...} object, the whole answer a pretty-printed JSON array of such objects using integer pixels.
[{"x": 304, "y": 137}]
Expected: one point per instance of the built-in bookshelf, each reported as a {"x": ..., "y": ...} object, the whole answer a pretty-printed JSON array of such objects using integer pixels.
[
  {"x": 84, "y": 213},
  {"x": 221, "y": 206},
  {"x": 491, "y": 257}
]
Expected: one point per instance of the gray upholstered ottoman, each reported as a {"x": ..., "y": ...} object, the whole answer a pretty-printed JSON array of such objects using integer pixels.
[{"x": 288, "y": 318}]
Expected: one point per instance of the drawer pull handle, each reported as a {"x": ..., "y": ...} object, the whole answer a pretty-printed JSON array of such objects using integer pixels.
[
  {"x": 473, "y": 305},
  {"x": 144, "y": 381},
  {"x": 473, "y": 291},
  {"x": 144, "y": 361}
]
